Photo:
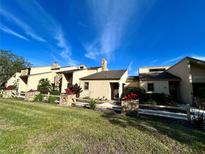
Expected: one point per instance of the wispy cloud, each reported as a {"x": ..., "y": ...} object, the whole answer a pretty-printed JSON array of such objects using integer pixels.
[
  {"x": 43, "y": 27},
  {"x": 132, "y": 70},
  {"x": 129, "y": 68},
  {"x": 199, "y": 57},
  {"x": 66, "y": 51},
  {"x": 28, "y": 30},
  {"x": 9, "y": 31},
  {"x": 178, "y": 58},
  {"x": 111, "y": 19},
  {"x": 172, "y": 60},
  {"x": 52, "y": 28}
]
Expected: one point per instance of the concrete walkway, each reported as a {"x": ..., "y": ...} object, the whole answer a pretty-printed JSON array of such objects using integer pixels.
[{"x": 167, "y": 114}]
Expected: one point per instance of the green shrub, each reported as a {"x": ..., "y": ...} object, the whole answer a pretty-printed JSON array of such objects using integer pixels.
[
  {"x": 92, "y": 104},
  {"x": 44, "y": 86},
  {"x": 199, "y": 120},
  {"x": 38, "y": 98},
  {"x": 55, "y": 92},
  {"x": 150, "y": 101},
  {"x": 52, "y": 99}
]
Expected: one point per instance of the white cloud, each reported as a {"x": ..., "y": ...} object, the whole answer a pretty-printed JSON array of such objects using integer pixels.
[
  {"x": 9, "y": 31},
  {"x": 199, "y": 57},
  {"x": 111, "y": 19},
  {"x": 129, "y": 68},
  {"x": 178, "y": 58},
  {"x": 66, "y": 51},
  {"x": 28, "y": 30},
  {"x": 173, "y": 60},
  {"x": 51, "y": 28},
  {"x": 44, "y": 24}
]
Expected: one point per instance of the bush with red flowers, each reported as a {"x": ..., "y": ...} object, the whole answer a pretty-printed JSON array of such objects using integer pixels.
[
  {"x": 11, "y": 87},
  {"x": 130, "y": 96},
  {"x": 69, "y": 91},
  {"x": 73, "y": 89}
]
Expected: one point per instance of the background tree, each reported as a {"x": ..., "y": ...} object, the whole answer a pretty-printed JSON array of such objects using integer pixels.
[
  {"x": 44, "y": 86},
  {"x": 10, "y": 64}
]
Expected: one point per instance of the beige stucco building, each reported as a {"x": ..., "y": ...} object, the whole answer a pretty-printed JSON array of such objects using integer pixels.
[
  {"x": 184, "y": 81},
  {"x": 104, "y": 85},
  {"x": 109, "y": 86}
]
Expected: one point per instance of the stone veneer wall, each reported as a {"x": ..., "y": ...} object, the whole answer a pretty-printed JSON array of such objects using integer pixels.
[
  {"x": 129, "y": 106},
  {"x": 67, "y": 100},
  {"x": 8, "y": 93},
  {"x": 29, "y": 96}
]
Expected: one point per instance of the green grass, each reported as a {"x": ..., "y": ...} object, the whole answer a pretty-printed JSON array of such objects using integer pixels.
[{"x": 45, "y": 128}]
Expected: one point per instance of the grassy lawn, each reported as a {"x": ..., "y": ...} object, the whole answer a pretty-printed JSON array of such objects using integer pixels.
[{"x": 43, "y": 128}]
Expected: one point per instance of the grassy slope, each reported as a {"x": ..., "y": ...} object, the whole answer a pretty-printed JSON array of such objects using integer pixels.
[{"x": 38, "y": 128}]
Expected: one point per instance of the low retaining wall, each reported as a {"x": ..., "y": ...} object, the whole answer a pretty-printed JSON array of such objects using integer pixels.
[
  {"x": 29, "y": 96},
  {"x": 67, "y": 100},
  {"x": 129, "y": 106},
  {"x": 8, "y": 93}
]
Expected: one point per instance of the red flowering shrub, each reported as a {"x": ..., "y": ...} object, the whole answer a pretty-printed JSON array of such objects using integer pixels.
[
  {"x": 69, "y": 91},
  {"x": 73, "y": 89},
  {"x": 11, "y": 87},
  {"x": 130, "y": 96}
]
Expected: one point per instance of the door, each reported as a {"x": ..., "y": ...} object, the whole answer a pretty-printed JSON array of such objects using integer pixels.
[{"x": 114, "y": 90}]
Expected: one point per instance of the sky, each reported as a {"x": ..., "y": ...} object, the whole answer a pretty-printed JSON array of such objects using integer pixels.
[{"x": 128, "y": 33}]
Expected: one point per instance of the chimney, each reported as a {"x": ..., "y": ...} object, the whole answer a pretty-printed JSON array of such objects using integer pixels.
[
  {"x": 55, "y": 66},
  {"x": 104, "y": 64}
]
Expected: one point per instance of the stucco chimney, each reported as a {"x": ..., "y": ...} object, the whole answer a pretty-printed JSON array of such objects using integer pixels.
[
  {"x": 104, "y": 64},
  {"x": 55, "y": 66}
]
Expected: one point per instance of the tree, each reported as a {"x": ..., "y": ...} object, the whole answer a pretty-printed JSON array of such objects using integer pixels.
[
  {"x": 10, "y": 64},
  {"x": 44, "y": 86}
]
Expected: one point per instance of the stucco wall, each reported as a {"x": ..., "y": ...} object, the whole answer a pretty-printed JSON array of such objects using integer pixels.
[
  {"x": 97, "y": 89},
  {"x": 36, "y": 70},
  {"x": 100, "y": 88},
  {"x": 22, "y": 86},
  {"x": 33, "y": 80},
  {"x": 182, "y": 70},
  {"x": 13, "y": 79},
  {"x": 198, "y": 73},
  {"x": 159, "y": 86}
]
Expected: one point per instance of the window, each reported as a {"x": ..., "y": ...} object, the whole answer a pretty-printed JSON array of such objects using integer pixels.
[
  {"x": 86, "y": 85},
  {"x": 157, "y": 70},
  {"x": 150, "y": 87}
]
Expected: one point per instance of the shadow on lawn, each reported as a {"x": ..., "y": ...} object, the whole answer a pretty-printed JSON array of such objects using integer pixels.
[{"x": 178, "y": 130}]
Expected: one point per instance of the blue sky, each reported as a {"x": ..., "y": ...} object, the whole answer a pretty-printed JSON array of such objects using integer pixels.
[{"x": 128, "y": 33}]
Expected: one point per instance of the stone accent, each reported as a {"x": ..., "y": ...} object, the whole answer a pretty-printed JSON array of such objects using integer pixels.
[
  {"x": 8, "y": 93},
  {"x": 129, "y": 106},
  {"x": 29, "y": 96},
  {"x": 67, "y": 100}
]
